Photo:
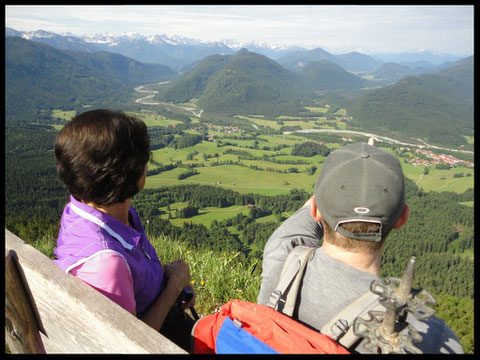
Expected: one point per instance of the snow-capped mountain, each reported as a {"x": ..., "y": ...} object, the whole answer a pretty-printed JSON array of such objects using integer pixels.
[
  {"x": 179, "y": 52},
  {"x": 64, "y": 42}
]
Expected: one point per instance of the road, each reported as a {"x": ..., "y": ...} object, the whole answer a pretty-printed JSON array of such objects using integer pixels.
[
  {"x": 144, "y": 100},
  {"x": 383, "y": 138}
]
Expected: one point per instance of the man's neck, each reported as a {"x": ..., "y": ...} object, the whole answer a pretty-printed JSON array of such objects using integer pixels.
[
  {"x": 359, "y": 260},
  {"x": 119, "y": 211}
]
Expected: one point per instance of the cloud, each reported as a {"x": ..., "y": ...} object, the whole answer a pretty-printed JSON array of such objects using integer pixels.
[{"x": 374, "y": 28}]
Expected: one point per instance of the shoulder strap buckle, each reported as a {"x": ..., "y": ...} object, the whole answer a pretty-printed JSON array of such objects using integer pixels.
[{"x": 275, "y": 299}]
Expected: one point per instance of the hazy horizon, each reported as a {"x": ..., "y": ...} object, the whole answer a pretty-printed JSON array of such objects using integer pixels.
[{"x": 371, "y": 29}]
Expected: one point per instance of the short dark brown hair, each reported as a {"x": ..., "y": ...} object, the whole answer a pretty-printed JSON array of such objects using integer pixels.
[
  {"x": 101, "y": 156},
  {"x": 347, "y": 243}
]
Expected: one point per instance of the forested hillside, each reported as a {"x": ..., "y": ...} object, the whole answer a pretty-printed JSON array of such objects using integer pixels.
[
  {"x": 352, "y": 61},
  {"x": 40, "y": 77},
  {"x": 193, "y": 82},
  {"x": 244, "y": 82},
  {"x": 436, "y": 107},
  {"x": 392, "y": 72},
  {"x": 228, "y": 167},
  {"x": 325, "y": 75}
]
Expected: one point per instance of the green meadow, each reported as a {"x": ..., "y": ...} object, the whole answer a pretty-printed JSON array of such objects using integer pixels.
[
  {"x": 444, "y": 180},
  {"x": 275, "y": 125},
  {"x": 155, "y": 120},
  {"x": 65, "y": 115},
  {"x": 266, "y": 174},
  {"x": 208, "y": 214},
  {"x": 314, "y": 109},
  {"x": 440, "y": 180},
  {"x": 237, "y": 178}
]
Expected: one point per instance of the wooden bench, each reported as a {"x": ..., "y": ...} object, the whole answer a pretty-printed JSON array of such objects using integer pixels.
[{"x": 49, "y": 311}]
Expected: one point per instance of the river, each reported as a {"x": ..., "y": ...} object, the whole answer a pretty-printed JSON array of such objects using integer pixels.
[{"x": 144, "y": 100}]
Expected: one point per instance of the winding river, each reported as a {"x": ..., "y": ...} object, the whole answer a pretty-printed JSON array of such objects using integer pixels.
[{"x": 146, "y": 101}]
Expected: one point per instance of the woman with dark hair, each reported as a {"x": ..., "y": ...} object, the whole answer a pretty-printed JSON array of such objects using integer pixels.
[{"x": 102, "y": 156}]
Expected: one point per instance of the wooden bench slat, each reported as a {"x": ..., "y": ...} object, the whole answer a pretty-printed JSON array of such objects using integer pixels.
[
  {"x": 22, "y": 327},
  {"x": 77, "y": 318}
]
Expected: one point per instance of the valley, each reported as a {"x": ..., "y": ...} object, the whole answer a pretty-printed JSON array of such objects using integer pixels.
[
  {"x": 147, "y": 100},
  {"x": 237, "y": 144}
]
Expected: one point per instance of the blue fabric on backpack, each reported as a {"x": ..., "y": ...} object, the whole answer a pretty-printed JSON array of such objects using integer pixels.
[{"x": 232, "y": 339}]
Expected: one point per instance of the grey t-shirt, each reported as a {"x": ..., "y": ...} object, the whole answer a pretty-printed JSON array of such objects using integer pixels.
[{"x": 330, "y": 285}]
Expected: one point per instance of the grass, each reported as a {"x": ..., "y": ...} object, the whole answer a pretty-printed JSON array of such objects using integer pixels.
[
  {"x": 322, "y": 110},
  {"x": 237, "y": 178},
  {"x": 273, "y": 140},
  {"x": 154, "y": 120},
  {"x": 439, "y": 180},
  {"x": 443, "y": 180},
  {"x": 207, "y": 215},
  {"x": 470, "y": 139},
  {"x": 217, "y": 277},
  {"x": 65, "y": 115},
  {"x": 272, "y": 124}
]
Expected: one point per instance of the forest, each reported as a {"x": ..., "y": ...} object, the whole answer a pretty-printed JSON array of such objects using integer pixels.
[
  {"x": 439, "y": 231},
  {"x": 263, "y": 100}
]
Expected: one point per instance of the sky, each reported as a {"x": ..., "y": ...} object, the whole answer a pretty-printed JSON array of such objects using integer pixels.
[{"x": 335, "y": 28}]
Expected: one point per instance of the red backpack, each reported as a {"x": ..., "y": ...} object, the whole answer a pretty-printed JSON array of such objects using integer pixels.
[{"x": 247, "y": 328}]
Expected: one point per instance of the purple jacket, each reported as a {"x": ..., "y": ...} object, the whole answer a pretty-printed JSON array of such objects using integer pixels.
[{"x": 85, "y": 231}]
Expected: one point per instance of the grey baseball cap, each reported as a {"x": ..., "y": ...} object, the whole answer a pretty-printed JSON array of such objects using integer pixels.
[{"x": 359, "y": 182}]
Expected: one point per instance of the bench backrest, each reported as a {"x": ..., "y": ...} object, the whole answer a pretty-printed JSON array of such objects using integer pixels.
[{"x": 75, "y": 317}]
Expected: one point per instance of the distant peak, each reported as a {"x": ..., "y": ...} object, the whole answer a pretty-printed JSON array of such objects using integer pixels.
[{"x": 242, "y": 51}]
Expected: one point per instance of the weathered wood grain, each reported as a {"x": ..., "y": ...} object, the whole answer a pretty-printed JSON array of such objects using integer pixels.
[
  {"x": 78, "y": 319},
  {"x": 21, "y": 326}
]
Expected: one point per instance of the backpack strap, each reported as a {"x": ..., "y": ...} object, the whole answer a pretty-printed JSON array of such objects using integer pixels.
[
  {"x": 340, "y": 327},
  {"x": 284, "y": 297}
]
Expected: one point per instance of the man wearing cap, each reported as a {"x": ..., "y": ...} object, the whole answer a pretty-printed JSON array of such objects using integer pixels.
[{"x": 359, "y": 198}]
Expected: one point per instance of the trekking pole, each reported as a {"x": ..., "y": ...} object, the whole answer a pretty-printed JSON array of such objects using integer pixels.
[
  {"x": 382, "y": 330},
  {"x": 407, "y": 299},
  {"x": 406, "y": 282},
  {"x": 381, "y": 335}
]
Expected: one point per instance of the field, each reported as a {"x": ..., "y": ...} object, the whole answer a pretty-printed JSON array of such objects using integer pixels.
[
  {"x": 237, "y": 178},
  {"x": 440, "y": 180},
  {"x": 206, "y": 215},
  {"x": 261, "y": 165},
  {"x": 244, "y": 179},
  {"x": 155, "y": 120},
  {"x": 266, "y": 171},
  {"x": 65, "y": 115}
]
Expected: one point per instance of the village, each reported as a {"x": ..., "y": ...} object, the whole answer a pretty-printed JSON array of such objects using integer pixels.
[{"x": 435, "y": 159}]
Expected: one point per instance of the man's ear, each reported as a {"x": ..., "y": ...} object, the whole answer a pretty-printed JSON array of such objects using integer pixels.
[
  {"x": 403, "y": 218},
  {"x": 314, "y": 210}
]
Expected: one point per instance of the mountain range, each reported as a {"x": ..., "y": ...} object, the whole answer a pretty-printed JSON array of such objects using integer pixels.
[
  {"x": 326, "y": 75},
  {"x": 180, "y": 53},
  {"x": 41, "y": 76},
  {"x": 245, "y": 82},
  {"x": 353, "y": 61},
  {"x": 437, "y": 106}
]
